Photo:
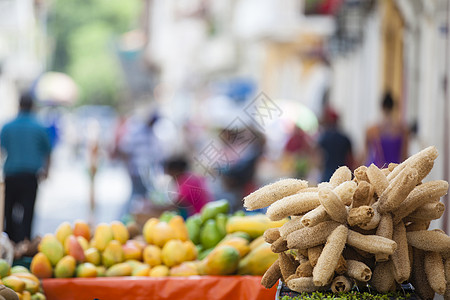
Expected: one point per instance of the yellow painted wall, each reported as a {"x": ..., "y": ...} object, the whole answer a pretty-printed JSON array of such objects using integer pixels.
[{"x": 392, "y": 51}]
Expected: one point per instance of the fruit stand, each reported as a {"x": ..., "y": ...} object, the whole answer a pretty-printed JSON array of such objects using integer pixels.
[
  {"x": 211, "y": 255},
  {"x": 339, "y": 237},
  {"x": 136, "y": 288}
]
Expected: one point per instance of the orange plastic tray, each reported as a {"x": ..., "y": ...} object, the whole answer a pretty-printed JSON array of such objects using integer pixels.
[{"x": 140, "y": 288}]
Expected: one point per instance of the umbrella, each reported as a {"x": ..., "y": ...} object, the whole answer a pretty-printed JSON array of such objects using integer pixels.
[
  {"x": 56, "y": 89},
  {"x": 299, "y": 114}
]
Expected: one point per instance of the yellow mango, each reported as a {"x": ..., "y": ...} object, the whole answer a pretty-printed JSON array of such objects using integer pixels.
[
  {"x": 181, "y": 232},
  {"x": 93, "y": 256},
  {"x": 113, "y": 254},
  {"x": 120, "y": 232},
  {"x": 41, "y": 266},
  {"x": 173, "y": 253},
  {"x": 133, "y": 263},
  {"x": 26, "y": 295},
  {"x": 14, "y": 283},
  {"x": 52, "y": 248},
  {"x": 101, "y": 271},
  {"x": 63, "y": 231},
  {"x": 121, "y": 269},
  {"x": 187, "y": 268},
  {"x": 191, "y": 251},
  {"x": 27, "y": 276},
  {"x": 159, "y": 271},
  {"x": 86, "y": 270},
  {"x": 152, "y": 255},
  {"x": 83, "y": 242},
  {"x": 103, "y": 235},
  {"x": 162, "y": 233},
  {"x": 65, "y": 268},
  {"x": 30, "y": 286},
  {"x": 132, "y": 251},
  {"x": 148, "y": 229},
  {"x": 81, "y": 228},
  {"x": 142, "y": 270},
  {"x": 74, "y": 248}
]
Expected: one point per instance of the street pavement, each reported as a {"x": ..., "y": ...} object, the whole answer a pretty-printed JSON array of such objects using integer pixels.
[{"x": 64, "y": 195}]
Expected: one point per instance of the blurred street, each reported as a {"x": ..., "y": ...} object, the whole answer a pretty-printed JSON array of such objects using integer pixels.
[{"x": 64, "y": 196}]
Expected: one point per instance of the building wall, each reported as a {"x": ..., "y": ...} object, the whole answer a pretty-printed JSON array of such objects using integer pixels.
[{"x": 356, "y": 83}]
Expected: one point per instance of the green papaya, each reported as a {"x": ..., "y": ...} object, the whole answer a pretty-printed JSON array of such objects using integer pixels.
[
  {"x": 193, "y": 225},
  {"x": 210, "y": 235},
  {"x": 241, "y": 234},
  {"x": 199, "y": 248},
  {"x": 204, "y": 253},
  {"x": 212, "y": 209},
  {"x": 221, "y": 221}
]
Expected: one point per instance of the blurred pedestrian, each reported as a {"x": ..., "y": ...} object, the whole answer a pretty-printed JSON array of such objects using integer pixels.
[
  {"x": 191, "y": 190},
  {"x": 142, "y": 153},
  {"x": 27, "y": 146},
  {"x": 335, "y": 146},
  {"x": 386, "y": 141},
  {"x": 300, "y": 147},
  {"x": 242, "y": 147}
]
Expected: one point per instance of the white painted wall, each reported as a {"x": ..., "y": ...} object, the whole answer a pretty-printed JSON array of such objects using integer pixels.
[{"x": 355, "y": 84}]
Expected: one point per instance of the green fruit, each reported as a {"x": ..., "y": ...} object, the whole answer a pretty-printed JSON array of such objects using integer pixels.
[
  {"x": 223, "y": 260},
  {"x": 4, "y": 268},
  {"x": 199, "y": 248},
  {"x": 19, "y": 269},
  {"x": 221, "y": 220},
  {"x": 204, "y": 253},
  {"x": 241, "y": 234},
  {"x": 65, "y": 268},
  {"x": 122, "y": 269},
  {"x": 239, "y": 213},
  {"x": 193, "y": 225},
  {"x": 167, "y": 216},
  {"x": 210, "y": 235},
  {"x": 212, "y": 209},
  {"x": 38, "y": 296}
]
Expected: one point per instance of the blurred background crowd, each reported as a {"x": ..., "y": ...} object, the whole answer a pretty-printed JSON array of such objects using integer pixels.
[{"x": 152, "y": 105}]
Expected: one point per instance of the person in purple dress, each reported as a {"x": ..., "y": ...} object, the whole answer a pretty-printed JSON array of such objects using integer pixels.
[{"x": 387, "y": 141}]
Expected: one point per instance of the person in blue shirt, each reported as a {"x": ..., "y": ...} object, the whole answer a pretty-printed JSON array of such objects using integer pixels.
[{"x": 27, "y": 147}]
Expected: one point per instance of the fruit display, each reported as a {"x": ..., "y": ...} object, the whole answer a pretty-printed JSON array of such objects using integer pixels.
[
  {"x": 208, "y": 228},
  {"x": 18, "y": 283},
  {"x": 76, "y": 251},
  {"x": 210, "y": 243},
  {"x": 370, "y": 227}
]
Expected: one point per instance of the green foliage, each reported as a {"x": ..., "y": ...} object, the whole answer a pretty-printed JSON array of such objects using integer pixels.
[
  {"x": 84, "y": 34},
  {"x": 353, "y": 295}
]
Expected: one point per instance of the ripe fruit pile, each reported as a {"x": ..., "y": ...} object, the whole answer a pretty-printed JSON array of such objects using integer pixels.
[
  {"x": 72, "y": 251},
  {"x": 163, "y": 249},
  {"x": 21, "y": 281},
  {"x": 208, "y": 228}
]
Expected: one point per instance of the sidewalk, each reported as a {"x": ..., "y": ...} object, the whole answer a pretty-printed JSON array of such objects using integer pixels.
[{"x": 64, "y": 196}]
